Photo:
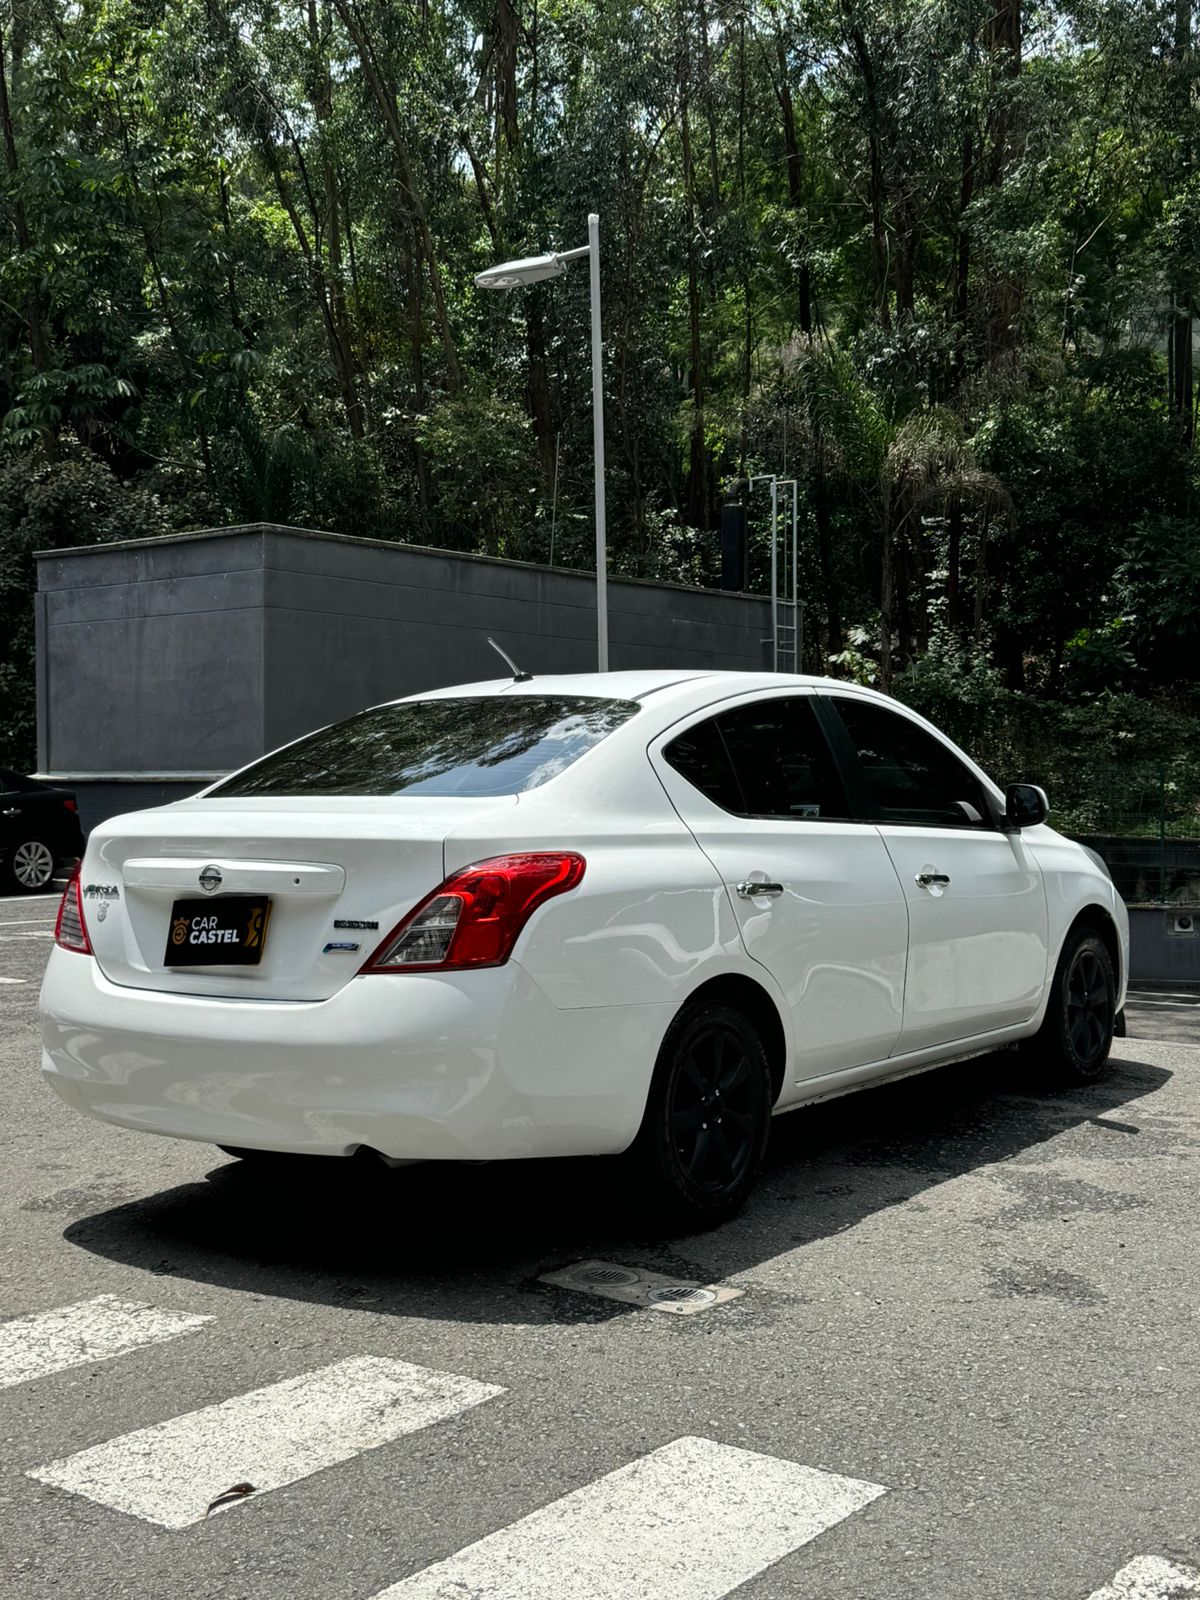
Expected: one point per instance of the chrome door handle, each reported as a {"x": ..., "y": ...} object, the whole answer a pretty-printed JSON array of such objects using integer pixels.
[
  {"x": 926, "y": 880},
  {"x": 12, "y": 811},
  {"x": 748, "y": 888}
]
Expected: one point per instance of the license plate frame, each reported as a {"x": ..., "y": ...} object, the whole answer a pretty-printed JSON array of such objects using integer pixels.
[{"x": 198, "y": 931}]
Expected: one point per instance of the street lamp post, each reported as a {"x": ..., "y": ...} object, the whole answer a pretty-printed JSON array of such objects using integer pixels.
[{"x": 533, "y": 269}]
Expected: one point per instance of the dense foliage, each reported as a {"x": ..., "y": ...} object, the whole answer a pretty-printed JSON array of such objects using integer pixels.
[{"x": 939, "y": 259}]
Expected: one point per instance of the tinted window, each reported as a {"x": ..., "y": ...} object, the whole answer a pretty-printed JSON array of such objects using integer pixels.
[
  {"x": 911, "y": 776},
  {"x": 769, "y": 759},
  {"x": 490, "y": 745}
]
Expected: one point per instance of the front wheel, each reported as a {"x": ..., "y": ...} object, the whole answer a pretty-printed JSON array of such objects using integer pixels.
[
  {"x": 701, "y": 1144},
  {"x": 1077, "y": 1035}
]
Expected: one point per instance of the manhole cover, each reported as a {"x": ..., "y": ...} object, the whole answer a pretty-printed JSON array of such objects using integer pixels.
[
  {"x": 681, "y": 1294},
  {"x": 610, "y": 1277}
]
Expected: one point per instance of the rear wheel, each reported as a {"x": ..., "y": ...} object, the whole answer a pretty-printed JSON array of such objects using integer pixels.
[
  {"x": 30, "y": 866},
  {"x": 704, "y": 1133},
  {"x": 1076, "y": 1037}
]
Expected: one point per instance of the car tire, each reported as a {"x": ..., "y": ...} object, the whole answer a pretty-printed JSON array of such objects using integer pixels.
[
  {"x": 1074, "y": 1041},
  {"x": 29, "y": 868},
  {"x": 708, "y": 1114}
]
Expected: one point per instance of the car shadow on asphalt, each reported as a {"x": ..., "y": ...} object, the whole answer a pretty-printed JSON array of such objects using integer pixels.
[{"x": 467, "y": 1243}]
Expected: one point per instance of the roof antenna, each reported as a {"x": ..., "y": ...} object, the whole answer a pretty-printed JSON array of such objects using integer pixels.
[{"x": 518, "y": 675}]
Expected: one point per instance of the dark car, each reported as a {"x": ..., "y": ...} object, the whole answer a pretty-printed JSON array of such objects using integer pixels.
[{"x": 39, "y": 830}]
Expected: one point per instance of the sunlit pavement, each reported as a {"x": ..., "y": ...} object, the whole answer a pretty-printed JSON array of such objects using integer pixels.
[{"x": 963, "y": 1363}]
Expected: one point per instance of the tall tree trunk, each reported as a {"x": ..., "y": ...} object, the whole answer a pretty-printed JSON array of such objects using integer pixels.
[
  {"x": 795, "y": 185},
  {"x": 385, "y": 99},
  {"x": 962, "y": 265},
  {"x": 697, "y": 509},
  {"x": 504, "y": 56},
  {"x": 33, "y": 314},
  {"x": 330, "y": 226},
  {"x": 875, "y": 182},
  {"x": 343, "y": 363},
  {"x": 1183, "y": 403},
  {"x": 1004, "y": 39}
]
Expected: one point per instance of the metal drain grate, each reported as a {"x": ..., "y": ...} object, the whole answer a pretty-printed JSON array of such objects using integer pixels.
[
  {"x": 636, "y": 1286},
  {"x": 604, "y": 1277},
  {"x": 682, "y": 1294}
]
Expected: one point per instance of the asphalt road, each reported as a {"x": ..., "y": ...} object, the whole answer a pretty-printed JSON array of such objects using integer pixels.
[{"x": 972, "y": 1294}]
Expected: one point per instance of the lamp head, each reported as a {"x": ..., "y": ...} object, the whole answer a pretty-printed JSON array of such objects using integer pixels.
[{"x": 516, "y": 274}]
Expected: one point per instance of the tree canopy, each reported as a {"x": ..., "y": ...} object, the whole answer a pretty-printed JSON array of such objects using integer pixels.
[{"x": 938, "y": 259}]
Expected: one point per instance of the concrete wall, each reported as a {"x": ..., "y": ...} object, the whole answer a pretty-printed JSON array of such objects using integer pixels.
[{"x": 165, "y": 662}]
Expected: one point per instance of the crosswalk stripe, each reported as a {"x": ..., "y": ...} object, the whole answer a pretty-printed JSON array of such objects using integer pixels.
[
  {"x": 693, "y": 1519},
  {"x": 74, "y": 1336},
  {"x": 1151, "y": 1578},
  {"x": 171, "y": 1472}
]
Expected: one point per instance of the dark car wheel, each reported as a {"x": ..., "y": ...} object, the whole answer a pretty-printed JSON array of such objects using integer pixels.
[
  {"x": 704, "y": 1132},
  {"x": 1077, "y": 1035},
  {"x": 30, "y": 866}
]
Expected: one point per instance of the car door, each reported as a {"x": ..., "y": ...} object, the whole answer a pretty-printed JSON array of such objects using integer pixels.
[
  {"x": 815, "y": 894},
  {"x": 12, "y": 806},
  {"x": 976, "y": 900}
]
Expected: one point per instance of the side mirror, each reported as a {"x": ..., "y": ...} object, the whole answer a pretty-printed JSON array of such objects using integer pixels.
[{"x": 1025, "y": 805}]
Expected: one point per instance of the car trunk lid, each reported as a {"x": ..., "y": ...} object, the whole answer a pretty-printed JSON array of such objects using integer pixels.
[{"x": 332, "y": 876}]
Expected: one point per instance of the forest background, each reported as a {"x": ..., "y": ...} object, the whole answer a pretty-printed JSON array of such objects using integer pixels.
[{"x": 939, "y": 259}]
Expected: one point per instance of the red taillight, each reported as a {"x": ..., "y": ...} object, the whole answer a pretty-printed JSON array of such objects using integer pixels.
[
  {"x": 474, "y": 918},
  {"x": 69, "y": 804},
  {"x": 70, "y": 931}
]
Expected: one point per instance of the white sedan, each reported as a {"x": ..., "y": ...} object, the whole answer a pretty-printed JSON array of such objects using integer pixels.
[{"x": 626, "y": 914}]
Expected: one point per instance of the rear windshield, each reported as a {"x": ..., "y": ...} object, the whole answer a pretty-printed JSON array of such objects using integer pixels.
[{"x": 492, "y": 745}]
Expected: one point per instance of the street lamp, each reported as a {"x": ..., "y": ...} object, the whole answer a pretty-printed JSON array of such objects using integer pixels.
[{"x": 535, "y": 269}]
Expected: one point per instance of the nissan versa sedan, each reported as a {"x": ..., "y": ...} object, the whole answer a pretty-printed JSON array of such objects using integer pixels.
[{"x": 630, "y": 914}]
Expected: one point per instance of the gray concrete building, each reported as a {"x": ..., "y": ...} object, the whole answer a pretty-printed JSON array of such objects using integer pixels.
[{"x": 163, "y": 663}]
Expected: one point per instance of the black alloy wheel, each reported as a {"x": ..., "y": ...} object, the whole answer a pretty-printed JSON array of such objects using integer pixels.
[
  {"x": 1076, "y": 1037},
  {"x": 1090, "y": 1009},
  {"x": 704, "y": 1132}
]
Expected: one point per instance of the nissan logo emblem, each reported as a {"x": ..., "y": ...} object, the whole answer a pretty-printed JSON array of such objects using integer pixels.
[{"x": 210, "y": 879}]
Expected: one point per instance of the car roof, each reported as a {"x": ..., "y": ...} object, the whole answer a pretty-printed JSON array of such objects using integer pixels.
[{"x": 633, "y": 685}]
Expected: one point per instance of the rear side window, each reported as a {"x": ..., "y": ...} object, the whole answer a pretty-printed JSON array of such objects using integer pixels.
[
  {"x": 769, "y": 759},
  {"x": 910, "y": 776},
  {"x": 489, "y": 745}
]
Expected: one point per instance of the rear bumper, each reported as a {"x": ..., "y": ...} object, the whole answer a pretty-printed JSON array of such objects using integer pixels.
[{"x": 472, "y": 1066}]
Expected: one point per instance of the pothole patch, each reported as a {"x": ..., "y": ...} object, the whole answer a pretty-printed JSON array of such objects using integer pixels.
[{"x": 633, "y": 1286}]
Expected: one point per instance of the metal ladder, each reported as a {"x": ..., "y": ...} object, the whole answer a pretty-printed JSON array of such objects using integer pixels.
[{"x": 787, "y": 608}]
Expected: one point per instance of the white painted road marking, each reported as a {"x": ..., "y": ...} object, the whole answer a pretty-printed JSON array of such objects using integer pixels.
[
  {"x": 13, "y": 980},
  {"x": 270, "y": 1437},
  {"x": 691, "y": 1521},
  {"x": 75, "y": 1336},
  {"x": 1151, "y": 1578}
]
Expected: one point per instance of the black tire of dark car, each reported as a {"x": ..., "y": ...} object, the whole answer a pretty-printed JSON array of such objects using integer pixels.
[
  {"x": 29, "y": 866},
  {"x": 1074, "y": 1041},
  {"x": 707, "y": 1118}
]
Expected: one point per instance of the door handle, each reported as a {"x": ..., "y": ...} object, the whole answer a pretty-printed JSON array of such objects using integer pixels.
[
  {"x": 12, "y": 811},
  {"x": 750, "y": 887},
  {"x": 926, "y": 880}
]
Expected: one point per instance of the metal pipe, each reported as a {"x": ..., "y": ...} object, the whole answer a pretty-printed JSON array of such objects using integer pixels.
[{"x": 598, "y": 447}]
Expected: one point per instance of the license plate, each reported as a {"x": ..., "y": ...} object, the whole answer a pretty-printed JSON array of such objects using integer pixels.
[{"x": 229, "y": 932}]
